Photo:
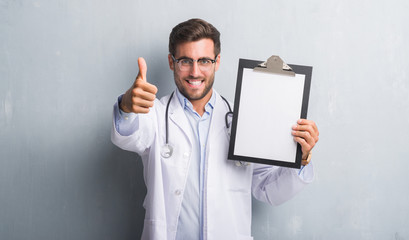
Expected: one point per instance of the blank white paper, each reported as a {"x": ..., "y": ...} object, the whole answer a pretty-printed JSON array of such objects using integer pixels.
[{"x": 270, "y": 104}]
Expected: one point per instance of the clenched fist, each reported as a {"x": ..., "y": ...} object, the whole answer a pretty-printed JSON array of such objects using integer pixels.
[{"x": 141, "y": 95}]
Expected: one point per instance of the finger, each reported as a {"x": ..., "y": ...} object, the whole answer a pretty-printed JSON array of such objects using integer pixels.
[
  {"x": 308, "y": 125},
  {"x": 142, "y": 102},
  {"x": 308, "y": 122},
  {"x": 139, "y": 109},
  {"x": 307, "y": 128},
  {"x": 305, "y": 147},
  {"x": 142, "y": 69},
  {"x": 147, "y": 87},
  {"x": 139, "y": 92},
  {"x": 306, "y": 136}
]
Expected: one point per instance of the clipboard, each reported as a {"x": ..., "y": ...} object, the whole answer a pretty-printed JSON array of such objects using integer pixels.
[{"x": 270, "y": 97}]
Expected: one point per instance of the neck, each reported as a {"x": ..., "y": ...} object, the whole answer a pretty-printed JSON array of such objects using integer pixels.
[{"x": 199, "y": 104}]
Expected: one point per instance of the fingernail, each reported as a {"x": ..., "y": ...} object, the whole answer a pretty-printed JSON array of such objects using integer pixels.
[
  {"x": 299, "y": 121},
  {"x": 294, "y": 126}
]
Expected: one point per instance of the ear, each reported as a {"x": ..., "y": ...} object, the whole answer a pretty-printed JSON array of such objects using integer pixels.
[
  {"x": 217, "y": 62},
  {"x": 170, "y": 60}
]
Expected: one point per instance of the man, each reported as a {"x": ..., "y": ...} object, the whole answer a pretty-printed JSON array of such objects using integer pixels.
[{"x": 193, "y": 190}]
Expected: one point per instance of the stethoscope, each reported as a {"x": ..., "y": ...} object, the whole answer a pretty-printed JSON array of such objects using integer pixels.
[{"x": 167, "y": 149}]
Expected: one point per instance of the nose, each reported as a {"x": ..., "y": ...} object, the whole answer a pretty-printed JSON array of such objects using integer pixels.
[{"x": 194, "y": 70}]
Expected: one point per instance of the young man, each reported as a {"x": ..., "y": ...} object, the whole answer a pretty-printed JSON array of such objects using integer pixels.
[{"x": 193, "y": 190}]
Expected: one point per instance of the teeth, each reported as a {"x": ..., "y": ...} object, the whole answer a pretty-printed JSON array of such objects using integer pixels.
[{"x": 195, "y": 83}]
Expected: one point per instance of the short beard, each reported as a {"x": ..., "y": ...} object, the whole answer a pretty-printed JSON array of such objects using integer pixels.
[{"x": 191, "y": 98}]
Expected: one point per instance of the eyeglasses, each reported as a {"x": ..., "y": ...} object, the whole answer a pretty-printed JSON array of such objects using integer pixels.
[{"x": 186, "y": 64}]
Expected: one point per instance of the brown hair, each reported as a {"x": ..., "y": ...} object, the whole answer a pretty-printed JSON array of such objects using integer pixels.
[{"x": 193, "y": 30}]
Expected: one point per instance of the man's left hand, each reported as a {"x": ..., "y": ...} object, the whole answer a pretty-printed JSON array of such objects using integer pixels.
[{"x": 306, "y": 134}]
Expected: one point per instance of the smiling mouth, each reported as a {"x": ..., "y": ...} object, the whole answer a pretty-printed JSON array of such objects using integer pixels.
[{"x": 195, "y": 83}]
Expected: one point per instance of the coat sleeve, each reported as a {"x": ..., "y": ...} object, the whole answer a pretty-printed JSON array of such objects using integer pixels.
[
  {"x": 143, "y": 129},
  {"x": 275, "y": 185}
]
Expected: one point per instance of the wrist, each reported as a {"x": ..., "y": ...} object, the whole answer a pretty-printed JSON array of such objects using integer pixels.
[
  {"x": 307, "y": 160},
  {"x": 122, "y": 104}
]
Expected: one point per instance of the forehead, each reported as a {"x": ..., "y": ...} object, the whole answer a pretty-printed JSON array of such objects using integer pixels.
[{"x": 196, "y": 49}]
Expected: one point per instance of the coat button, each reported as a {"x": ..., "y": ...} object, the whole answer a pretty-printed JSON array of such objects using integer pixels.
[
  {"x": 178, "y": 192},
  {"x": 186, "y": 155}
]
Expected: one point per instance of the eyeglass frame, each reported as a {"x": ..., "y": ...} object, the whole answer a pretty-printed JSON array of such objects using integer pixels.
[{"x": 193, "y": 60}]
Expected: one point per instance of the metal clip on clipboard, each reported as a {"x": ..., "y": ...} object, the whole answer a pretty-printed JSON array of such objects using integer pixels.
[{"x": 275, "y": 64}]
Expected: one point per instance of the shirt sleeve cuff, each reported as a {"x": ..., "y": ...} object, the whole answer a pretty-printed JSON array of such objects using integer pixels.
[
  {"x": 125, "y": 123},
  {"x": 306, "y": 172}
]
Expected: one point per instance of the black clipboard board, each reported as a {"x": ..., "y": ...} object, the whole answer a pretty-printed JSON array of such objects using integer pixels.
[{"x": 273, "y": 68}]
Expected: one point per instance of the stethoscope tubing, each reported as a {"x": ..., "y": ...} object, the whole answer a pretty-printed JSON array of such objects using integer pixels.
[
  {"x": 228, "y": 113},
  {"x": 166, "y": 120}
]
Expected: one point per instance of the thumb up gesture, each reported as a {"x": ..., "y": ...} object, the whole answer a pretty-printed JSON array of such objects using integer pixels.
[{"x": 141, "y": 95}]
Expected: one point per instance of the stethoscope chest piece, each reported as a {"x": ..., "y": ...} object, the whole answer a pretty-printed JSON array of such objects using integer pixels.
[{"x": 166, "y": 151}]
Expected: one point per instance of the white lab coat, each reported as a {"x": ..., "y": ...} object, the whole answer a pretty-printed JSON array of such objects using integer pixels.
[{"x": 227, "y": 187}]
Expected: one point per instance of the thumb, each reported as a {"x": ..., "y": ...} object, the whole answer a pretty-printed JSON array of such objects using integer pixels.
[{"x": 142, "y": 68}]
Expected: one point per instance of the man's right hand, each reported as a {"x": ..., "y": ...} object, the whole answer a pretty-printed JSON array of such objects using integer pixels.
[{"x": 140, "y": 97}]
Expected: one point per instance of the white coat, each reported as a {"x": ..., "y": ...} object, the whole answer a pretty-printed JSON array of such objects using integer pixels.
[{"x": 227, "y": 187}]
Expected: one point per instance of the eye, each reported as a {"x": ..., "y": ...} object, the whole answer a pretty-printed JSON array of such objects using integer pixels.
[
  {"x": 204, "y": 61},
  {"x": 185, "y": 61}
]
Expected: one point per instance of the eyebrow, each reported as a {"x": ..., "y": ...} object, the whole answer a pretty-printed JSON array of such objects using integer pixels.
[{"x": 182, "y": 57}]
